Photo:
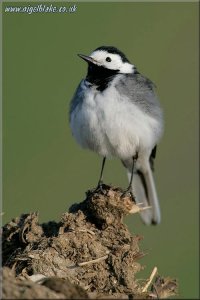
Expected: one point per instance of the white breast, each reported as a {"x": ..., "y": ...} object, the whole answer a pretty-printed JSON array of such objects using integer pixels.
[{"x": 112, "y": 126}]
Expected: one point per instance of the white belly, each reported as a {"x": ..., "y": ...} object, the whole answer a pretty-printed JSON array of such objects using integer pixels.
[{"x": 112, "y": 126}]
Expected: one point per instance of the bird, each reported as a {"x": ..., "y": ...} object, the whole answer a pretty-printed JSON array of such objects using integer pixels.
[{"x": 115, "y": 112}]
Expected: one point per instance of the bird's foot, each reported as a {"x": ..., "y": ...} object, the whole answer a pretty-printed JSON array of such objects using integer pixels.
[
  {"x": 99, "y": 188},
  {"x": 128, "y": 193}
]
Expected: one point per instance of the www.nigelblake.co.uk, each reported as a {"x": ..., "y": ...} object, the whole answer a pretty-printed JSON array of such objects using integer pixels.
[{"x": 41, "y": 8}]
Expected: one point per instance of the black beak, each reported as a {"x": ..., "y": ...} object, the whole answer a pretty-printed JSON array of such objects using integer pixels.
[{"x": 88, "y": 59}]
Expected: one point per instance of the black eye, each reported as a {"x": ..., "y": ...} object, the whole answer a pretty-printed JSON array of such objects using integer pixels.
[{"x": 108, "y": 59}]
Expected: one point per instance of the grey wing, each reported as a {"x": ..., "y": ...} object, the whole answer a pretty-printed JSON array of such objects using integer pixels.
[
  {"x": 141, "y": 90},
  {"x": 77, "y": 99}
]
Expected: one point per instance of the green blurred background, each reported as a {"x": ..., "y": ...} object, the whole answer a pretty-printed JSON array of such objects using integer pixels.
[{"x": 45, "y": 170}]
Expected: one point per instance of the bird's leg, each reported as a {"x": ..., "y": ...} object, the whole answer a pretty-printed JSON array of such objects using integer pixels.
[
  {"x": 100, "y": 182},
  {"x": 130, "y": 183},
  {"x": 129, "y": 188}
]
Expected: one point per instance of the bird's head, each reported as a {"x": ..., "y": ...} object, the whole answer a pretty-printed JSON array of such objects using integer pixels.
[{"x": 108, "y": 58}]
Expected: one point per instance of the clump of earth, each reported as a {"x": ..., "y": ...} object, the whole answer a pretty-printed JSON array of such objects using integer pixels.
[{"x": 88, "y": 254}]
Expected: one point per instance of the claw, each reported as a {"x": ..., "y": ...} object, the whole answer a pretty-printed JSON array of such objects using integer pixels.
[
  {"x": 128, "y": 193},
  {"x": 99, "y": 188}
]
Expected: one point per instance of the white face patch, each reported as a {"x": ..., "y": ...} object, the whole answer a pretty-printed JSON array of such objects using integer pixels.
[{"x": 112, "y": 61}]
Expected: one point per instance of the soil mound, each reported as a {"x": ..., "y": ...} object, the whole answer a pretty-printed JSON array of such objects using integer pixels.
[{"x": 89, "y": 254}]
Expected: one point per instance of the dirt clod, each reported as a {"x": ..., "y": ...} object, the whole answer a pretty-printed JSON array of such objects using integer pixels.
[{"x": 88, "y": 254}]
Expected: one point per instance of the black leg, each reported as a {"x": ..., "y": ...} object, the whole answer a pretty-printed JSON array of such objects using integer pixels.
[
  {"x": 100, "y": 182},
  {"x": 99, "y": 187},
  {"x": 132, "y": 170},
  {"x": 129, "y": 189}
]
